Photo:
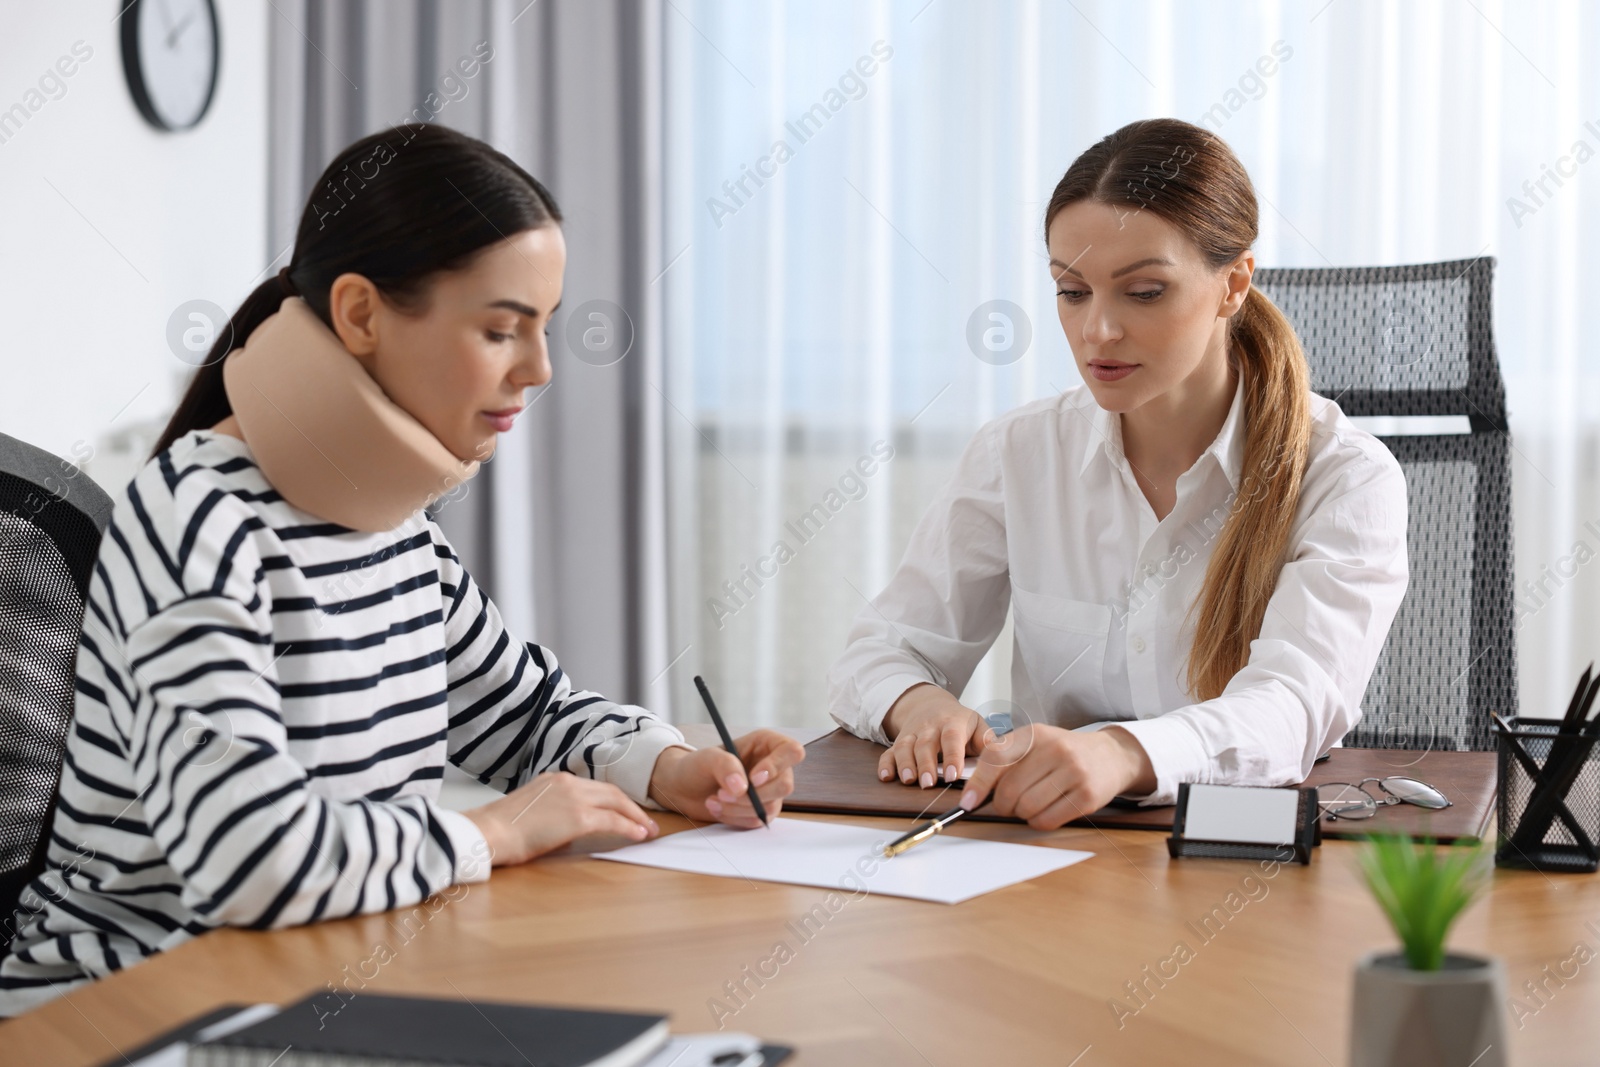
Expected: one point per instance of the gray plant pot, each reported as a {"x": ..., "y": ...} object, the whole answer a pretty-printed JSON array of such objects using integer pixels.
[{"x": 1451, "y": 1017}]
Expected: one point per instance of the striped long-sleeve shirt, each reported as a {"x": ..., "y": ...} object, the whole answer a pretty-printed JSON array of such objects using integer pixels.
[{"x": 265, "y": 703}]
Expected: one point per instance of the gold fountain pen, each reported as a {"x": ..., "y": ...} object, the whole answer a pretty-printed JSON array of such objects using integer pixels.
[{"x": 922, "y": 833}]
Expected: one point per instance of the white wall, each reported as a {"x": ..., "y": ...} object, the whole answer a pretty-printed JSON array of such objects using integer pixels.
[{"x": 109, "y": 225}]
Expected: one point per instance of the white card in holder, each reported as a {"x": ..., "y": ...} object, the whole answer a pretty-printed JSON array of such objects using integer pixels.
[{"x": 1244, "y": 822}]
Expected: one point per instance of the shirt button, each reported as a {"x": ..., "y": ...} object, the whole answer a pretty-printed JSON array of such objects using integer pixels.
[{"x": 1138, "y": 644}]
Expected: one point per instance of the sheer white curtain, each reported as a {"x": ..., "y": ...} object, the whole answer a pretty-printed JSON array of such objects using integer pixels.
[{"x": 851, "y": 187}]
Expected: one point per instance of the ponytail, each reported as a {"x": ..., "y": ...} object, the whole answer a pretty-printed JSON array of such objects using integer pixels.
[
  {"x": 397, "y": 208},
  {"x": 205, "y": 402},
  {"x": 1243, "y": 570}
]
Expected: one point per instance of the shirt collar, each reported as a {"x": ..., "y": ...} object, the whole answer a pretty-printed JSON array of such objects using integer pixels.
[{"x": 1227, "y": 449}]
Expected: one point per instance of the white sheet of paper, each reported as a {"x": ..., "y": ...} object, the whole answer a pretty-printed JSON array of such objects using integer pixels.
[
  {"x": 848, "y": 858},
  {"x": 177, "y": 1053}
]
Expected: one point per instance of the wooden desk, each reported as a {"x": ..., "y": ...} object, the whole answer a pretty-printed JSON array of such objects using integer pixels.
[{"x": 1021, "y": 976}]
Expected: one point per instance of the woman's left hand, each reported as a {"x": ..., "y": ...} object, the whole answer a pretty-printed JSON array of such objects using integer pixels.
[
  {"x": 708, "y": 784},
  {"x": 1048, "y": 776}
]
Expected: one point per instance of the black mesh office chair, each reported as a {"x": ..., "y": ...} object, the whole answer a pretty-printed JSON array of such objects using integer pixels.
[
  {"x": 1418, "y": 340},
  {"x": 51, "y": 519}
]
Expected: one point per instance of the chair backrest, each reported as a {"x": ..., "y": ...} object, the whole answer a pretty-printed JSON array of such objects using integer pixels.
[
  {"x": 1418, "y": 341},
  {"x": 51, "y": 520}
]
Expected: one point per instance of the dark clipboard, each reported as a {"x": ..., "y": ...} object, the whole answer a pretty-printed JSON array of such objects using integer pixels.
[
  {"x": 771, "y": 1055},
  {"x": 840, "y": 777}
]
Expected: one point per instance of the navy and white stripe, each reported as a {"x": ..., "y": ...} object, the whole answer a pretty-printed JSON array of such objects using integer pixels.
[{"x": 265, "y": 703}]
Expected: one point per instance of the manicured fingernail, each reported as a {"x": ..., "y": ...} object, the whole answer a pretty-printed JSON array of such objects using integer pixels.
[
  {"x": 714, "y": 807},
  {"x": 969, "y": 799},
  {"x": 655, "y": 827},
  {"x": 927, "y": 779},
  {"x": 905, "y": 774},
  {"x": 640, "y": 831},
  {"x": 950, "y": 773},
  {"x": 883, "y": 773},
  {"x": 761, "y": 776},
  {"x": 734, "y": 782}
]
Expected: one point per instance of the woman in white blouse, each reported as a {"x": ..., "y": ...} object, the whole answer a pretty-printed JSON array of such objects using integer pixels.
[{"x": 1196, "y": 548}]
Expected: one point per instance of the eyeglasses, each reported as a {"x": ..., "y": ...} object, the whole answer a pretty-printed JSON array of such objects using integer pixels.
[{"x": 1351, "y": 800}]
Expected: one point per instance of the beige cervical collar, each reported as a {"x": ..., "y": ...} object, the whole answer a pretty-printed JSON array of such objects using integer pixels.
[{"x": 325, "y": 434}]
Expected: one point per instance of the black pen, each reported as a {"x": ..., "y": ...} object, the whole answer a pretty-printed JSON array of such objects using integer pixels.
[{"x": 727, "y": 743}]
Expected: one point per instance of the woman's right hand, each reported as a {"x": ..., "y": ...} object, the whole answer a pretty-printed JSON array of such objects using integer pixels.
[
  {"x": 933, "y": 733},
  {"x": 553, "y": 810}
]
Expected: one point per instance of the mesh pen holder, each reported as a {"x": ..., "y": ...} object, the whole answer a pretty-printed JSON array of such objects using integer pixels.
[{"x": 1554, "y": 826}]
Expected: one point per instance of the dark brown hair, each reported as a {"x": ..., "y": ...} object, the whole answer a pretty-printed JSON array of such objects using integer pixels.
[
  {"x": 396, "y": 207},
  {"x": 1189, "y": 177}
]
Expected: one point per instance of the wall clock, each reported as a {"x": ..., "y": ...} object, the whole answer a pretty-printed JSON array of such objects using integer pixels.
[{"x": 169, "y": 53}]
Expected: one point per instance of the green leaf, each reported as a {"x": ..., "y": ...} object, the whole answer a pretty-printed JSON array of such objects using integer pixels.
[{"x": 1423, "y": 889}]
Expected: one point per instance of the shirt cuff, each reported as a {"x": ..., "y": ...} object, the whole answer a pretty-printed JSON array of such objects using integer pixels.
[
  {"x": 630, "y": 770},
  {"x": 876, "y": 702},
  {"x": 1175, "y": 754},
  {"x": 471, "y": 848}
]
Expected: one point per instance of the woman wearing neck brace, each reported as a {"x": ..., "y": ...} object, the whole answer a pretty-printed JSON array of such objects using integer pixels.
[{"x": 281, "y": 649}]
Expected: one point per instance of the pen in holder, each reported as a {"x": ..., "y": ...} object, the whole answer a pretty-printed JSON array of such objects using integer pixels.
[{"x": 1549, "y": 802}]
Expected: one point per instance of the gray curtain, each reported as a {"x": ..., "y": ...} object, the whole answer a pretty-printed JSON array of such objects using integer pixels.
[{"x": 565, "y": 527}]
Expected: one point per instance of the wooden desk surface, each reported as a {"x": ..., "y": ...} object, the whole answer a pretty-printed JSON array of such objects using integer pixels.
[{"x": 1026, "y": 975}]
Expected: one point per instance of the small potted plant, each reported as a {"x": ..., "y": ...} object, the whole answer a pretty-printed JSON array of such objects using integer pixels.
[{"x": 1423, "y": 1006}]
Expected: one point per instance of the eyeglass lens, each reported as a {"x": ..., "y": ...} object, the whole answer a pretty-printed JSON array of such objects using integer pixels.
[{"x": 1414, "y": 792}]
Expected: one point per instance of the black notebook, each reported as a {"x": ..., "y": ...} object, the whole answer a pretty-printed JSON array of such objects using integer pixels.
[{"x": 372, "y": 1030}]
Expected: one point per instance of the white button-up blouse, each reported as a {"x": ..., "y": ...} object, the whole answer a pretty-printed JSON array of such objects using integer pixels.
[{"x": 1043, "y": 514}]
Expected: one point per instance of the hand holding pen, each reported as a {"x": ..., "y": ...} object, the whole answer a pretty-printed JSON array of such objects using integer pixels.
[{"x": 726, "y": 783}]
